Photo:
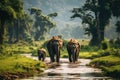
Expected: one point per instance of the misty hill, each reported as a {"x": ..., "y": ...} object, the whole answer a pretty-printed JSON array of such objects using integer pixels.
[{"x": 65, "y": 26}]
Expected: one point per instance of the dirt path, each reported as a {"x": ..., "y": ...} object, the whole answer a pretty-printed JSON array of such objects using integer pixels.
[{"x": 70, "y": 71}]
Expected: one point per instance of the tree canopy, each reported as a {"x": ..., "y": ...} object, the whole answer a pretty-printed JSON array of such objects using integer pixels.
[{"x": 97, "y": 13}]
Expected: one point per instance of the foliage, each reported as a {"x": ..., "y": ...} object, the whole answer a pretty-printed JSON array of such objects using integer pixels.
[
  {"x": 53, "y": 14},
  {"x": 109, "y": 61},
  {"x": 106, "y": 61},
  {"x": 19, "y": 66},
  {"x": 87, "y": 55},
  {"x": 9, "y": 10},
  {"x": 115, "y": 8},
  {"x": 115, "y": 43},
  {"x": 95, "y": 14},
  {"x": 118, "y": 26},
  {"x": 42, "y": 23},
  {"x": 104, "y": 45},
  {"x": 20, "y": 48},
  {"x": 113, "y": 71}
]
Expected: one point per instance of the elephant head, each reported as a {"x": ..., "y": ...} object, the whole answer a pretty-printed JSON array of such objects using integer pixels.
[
  {"x": 41, "y": 54},
  {"x": 73, "y": 48},
  {"x": 54, "y": 45}
]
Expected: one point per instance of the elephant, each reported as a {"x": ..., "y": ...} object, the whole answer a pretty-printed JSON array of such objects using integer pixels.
[
  {"x": 41, "y": 54},
  {"x": 54, "y": 45},
  {"x": 73, "y": 48}
]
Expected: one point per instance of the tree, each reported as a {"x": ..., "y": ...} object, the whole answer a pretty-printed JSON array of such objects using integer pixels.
[
  {"x": 115, "y": 7},
  {"x": 20, "y": 29},
  {"x": 118, "y": 28},
  {"x": 53, "y": 14},
  {"x": 9, "y": 10},
  {"x": 42, "y": 23},
  {"x": 116, "y": 12},
  {"x": 101, "y": 10}
]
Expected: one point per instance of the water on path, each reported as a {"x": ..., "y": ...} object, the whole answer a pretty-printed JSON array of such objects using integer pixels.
[{"x": 71, "y": 71}]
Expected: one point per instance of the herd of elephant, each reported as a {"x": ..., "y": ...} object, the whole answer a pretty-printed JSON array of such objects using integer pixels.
[{"x": 54, "y": 45}]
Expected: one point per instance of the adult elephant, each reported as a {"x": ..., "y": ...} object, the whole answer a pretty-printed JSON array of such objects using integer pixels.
[
  {"x": 54, "y": 45},
  {"x": 41, "y": 54},
  {"x": 73, "y": 48}
]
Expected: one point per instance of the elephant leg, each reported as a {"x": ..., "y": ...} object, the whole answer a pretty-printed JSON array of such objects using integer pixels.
[
  {"x": 70, "y": 60},
  {"x": 43, "y": 57},
  {"x": 73, "y": 57},
  {"x": 50, "y": 53},
  {"x": 40, "y": 57},
  {"x": 69, "y": 53},
  {"x": 57, "y": 57},
  {"x": 77, "y": 54},
  {"x": 76, "y": 57},
  {"x": 52, "y": 57}
]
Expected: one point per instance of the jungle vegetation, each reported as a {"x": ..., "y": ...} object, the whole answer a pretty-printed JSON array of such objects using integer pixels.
[{"x": 24, "y": 31}]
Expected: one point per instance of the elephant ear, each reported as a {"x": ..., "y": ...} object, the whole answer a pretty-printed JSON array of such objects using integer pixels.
[{"x": 61, "y": 43}]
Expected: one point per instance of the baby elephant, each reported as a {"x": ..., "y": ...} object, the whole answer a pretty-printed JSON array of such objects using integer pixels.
[{"x": 41, "y": 54}]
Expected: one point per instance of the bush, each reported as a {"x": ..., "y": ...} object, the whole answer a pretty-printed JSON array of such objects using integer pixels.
[
  {"x": 88, "y": 48},
  {"x": 104, "y": 45}
]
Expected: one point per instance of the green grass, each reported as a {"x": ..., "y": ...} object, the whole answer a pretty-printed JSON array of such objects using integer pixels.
[
  {"x": 18, "y": 65},
  {"x": 106, "y": 61},
  {"x": 87, "y": 55},
  {"x": 109, "y": 64},
  {"x": 113, "y": 71}
]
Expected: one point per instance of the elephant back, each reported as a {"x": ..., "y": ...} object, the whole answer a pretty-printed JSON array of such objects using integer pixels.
[
  {"x": 56, "y": 41},
  {"x": 42, "y": 51},
  {"x": 73, "y": 43}
]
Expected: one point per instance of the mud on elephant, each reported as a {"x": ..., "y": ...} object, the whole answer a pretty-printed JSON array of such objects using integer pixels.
[
  {"x": 54, "y": 45},
  {"x": 41, "y": 54},
  {"x": 73, "y": 48}
]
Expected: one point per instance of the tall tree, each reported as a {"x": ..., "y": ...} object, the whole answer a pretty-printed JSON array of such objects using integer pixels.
[
  {"x": 9, "y": 10},
  {"x": 20, "y": 28},
  {"x": 104, "y": 16},
  {"x": 43, "y": 23},
  {"x": 118, "y": 28},
  {"x": 101, "y": 10}
]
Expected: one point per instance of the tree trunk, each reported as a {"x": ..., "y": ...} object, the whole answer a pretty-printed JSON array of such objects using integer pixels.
[
  {"x": 17, "y": 30},
  {"x": 95, "y": 39},
  {"x": 2, "y": 31}
]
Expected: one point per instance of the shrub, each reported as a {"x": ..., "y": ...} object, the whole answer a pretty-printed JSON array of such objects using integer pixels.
[{"x": 104, "y": 45}]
